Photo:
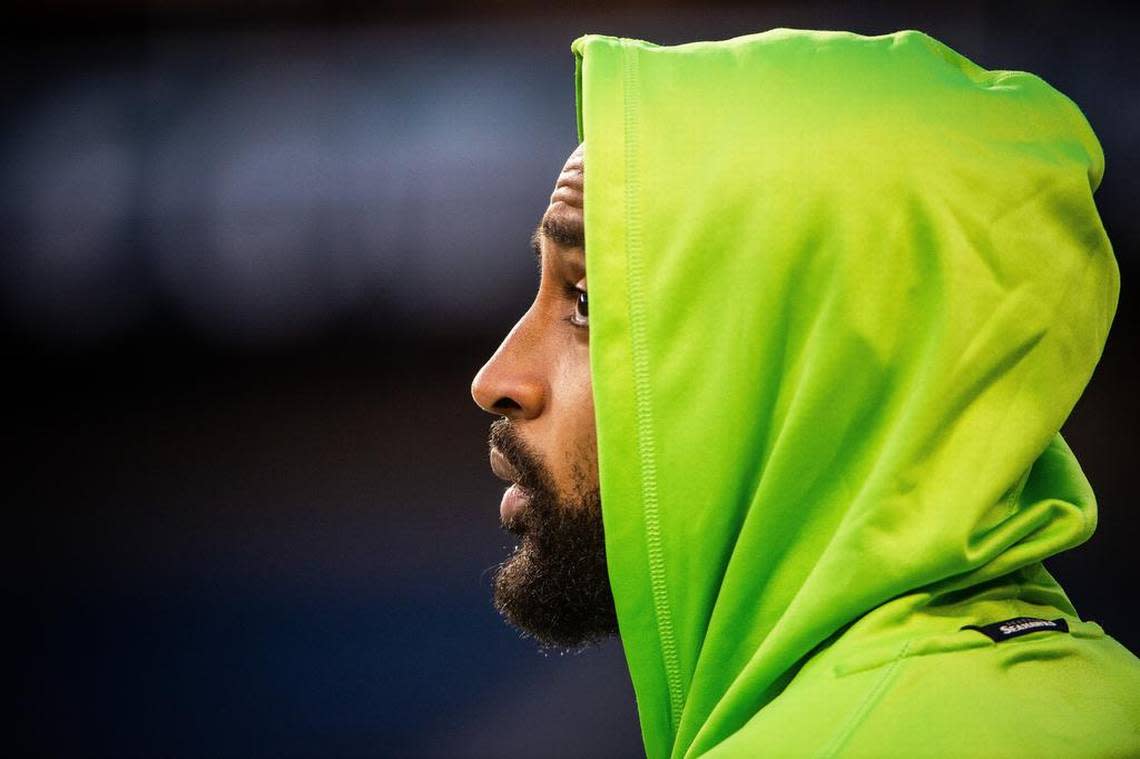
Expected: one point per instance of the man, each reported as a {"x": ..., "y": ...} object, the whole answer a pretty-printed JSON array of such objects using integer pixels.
[{"x": 844, "y": 291}]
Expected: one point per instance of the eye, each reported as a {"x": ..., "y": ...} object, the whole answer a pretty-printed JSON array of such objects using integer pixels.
[
  {"x": 580, "y": 310},
  {"x": 581, "y": 315}
]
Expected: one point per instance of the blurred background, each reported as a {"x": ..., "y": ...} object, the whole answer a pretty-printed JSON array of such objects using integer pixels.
[{"x": 252, "y": 256}]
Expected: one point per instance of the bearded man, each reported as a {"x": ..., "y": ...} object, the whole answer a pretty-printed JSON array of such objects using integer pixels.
[{"x": 799, "y": 444}]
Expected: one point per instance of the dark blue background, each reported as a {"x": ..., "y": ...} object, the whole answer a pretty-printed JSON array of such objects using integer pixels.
[{"x": 252, "y": 258}]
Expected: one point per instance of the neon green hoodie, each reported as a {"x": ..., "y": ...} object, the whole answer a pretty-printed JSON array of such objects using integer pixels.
[{"x": 844, "y": 291}]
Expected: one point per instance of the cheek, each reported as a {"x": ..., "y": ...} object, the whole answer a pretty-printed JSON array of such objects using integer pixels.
[
  {"x": 586, "y": 433},
  {"x": 577, "y": 388},
  {"x": 578, "y": 437}
]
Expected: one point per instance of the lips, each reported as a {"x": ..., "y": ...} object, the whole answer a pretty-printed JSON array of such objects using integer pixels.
[
  {"x": 516, "y": 497},
  {"x": 514, "y": 501},
  {"x": 502, "y": 468}
]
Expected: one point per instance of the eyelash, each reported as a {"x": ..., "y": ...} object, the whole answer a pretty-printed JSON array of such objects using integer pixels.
[{"x": 572, "y": 294}]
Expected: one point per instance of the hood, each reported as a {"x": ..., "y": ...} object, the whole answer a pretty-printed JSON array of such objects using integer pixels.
[{"x": 844, "y": 292}]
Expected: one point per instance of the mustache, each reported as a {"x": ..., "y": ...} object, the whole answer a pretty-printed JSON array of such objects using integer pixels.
[{"x": 533, "y": 476}]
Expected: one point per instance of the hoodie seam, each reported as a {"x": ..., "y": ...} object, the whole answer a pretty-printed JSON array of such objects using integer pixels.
[
  {"x": 868, "y": 703},
  {"x": 643, "y": 391}
]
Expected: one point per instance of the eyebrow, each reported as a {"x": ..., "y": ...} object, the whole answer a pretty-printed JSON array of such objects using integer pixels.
[
  {"x": 564, "y": 234},
  {"x": 563, "y": 231}
]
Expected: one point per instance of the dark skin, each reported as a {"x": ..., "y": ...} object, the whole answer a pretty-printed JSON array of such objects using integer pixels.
[
  {"x": 554, "y": 586},
  {"x": 539, "y": 378}
]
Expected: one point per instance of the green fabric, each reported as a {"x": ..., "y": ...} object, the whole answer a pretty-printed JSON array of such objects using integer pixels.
[{"x": 844, "y": 290}]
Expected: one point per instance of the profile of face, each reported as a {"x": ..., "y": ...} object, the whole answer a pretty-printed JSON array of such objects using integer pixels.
[{"x": 554, "y": 586}]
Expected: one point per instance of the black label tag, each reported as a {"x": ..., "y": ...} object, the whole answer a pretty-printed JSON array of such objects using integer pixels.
[{"x": 1011, "y": 628}]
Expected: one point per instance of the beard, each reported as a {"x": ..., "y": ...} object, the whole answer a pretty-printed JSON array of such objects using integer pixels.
[{"x": 555, "y": 586}]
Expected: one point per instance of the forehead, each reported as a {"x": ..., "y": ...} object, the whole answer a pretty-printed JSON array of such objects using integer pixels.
[
  {"x": 563, "y": 224},
  {"x": 563, "y": 219}
]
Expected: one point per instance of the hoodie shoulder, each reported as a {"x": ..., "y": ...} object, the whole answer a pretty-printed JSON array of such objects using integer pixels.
[{"x": 1040, "y": 694}]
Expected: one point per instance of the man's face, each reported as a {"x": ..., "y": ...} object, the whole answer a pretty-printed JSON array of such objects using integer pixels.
[{"x": 554, "y": 585}]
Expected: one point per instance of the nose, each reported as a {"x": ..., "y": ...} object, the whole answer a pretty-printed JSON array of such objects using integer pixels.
[{"x": 513, "y": 383}]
